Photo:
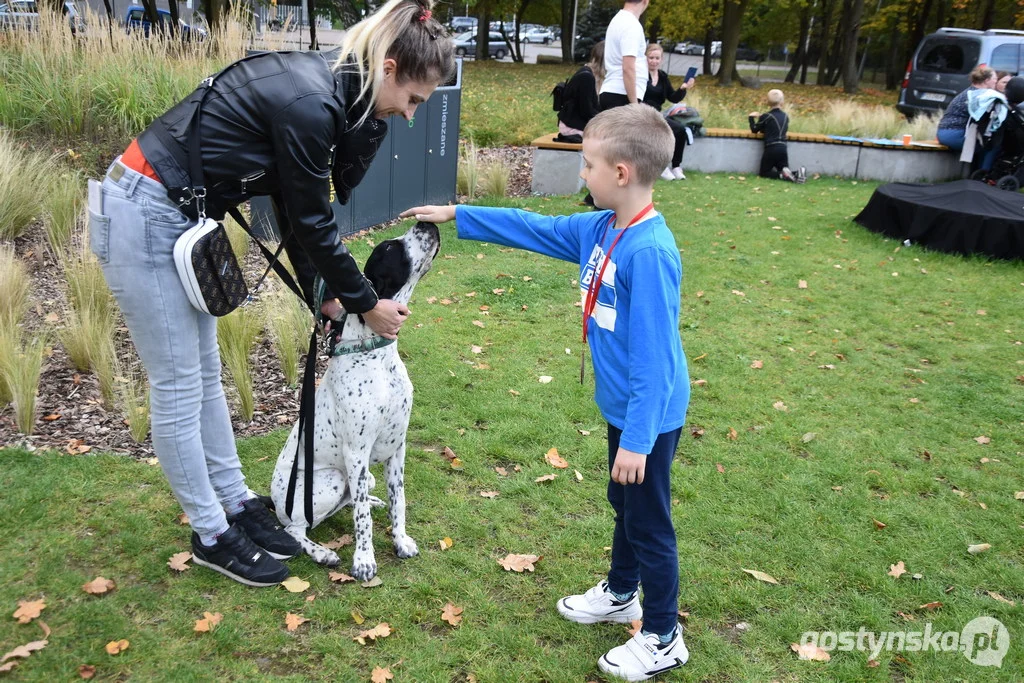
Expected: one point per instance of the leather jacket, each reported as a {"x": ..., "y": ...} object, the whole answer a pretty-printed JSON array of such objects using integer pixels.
[{"x": 278, "y": 124}]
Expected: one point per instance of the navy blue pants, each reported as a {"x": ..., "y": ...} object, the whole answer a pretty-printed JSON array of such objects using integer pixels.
[{"x": 644, "y": 543}]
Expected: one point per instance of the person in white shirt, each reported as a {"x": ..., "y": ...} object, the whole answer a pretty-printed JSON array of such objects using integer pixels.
[{"x": 625, "y": 63}]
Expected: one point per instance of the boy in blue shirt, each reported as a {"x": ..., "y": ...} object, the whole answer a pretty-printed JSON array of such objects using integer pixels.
[{"x": 630, "y": 275}]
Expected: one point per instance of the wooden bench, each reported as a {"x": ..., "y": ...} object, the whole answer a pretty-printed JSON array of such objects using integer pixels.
[{"x": 556, "y": 165}]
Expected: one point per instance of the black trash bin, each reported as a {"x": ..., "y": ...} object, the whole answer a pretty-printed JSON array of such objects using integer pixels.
[{"x": 417, "y": 164}]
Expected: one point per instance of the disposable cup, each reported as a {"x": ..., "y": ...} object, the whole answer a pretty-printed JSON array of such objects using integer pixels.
[{"x": 906, "y": 140}]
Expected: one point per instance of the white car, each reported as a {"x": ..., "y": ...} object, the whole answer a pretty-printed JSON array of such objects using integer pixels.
[{"x": 537, "y": 35}]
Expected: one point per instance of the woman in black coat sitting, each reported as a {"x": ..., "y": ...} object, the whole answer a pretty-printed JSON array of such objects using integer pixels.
[
  {"x": 579, "y": 101},
  {"x": 659, "y": 89}
]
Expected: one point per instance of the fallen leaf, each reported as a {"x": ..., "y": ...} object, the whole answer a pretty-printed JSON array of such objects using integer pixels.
[
  {"x": 878, "y": 525},
  {"x": 544, "y": 379},
  {"x": 179, "y": 561},
  {"x": 489, "y": 494},
  {"x": 379, "y": 675},
  {"x": 779, "y": 405},
  {"x": 208, "y": 622},
  {"x": 339, "y": 577},
  {"x": 476, "y": 349},
  {"x": 733, "y": 434},
  {"x": 98, "y": 586},
  {"x": 382, "y": 630},
  {"x": 897, "y": 570},
  {"x": 372, "y": 583},
  {"x": 738, "y": 292},
  {"x": 23, "y": 651},
  {"x": 979, "y": 548},
  {"x": 721, "y": 470},
  {"x": 456, "y": 464},
  {"x": 931, "y": 605},
  {"x": 872, "y": 663},
  {"x": 183, "y": 519},
  {"x": 446, "y": 543},
  {"x": 579, "y": 477},
  {"x": 519, "y": 563},
  {"x": 77, "y": 447},
  {"x": 696, "y": 432},
  {"x": 546, "y": 477},
  {"x": 555, "y": 460},
  {"x": 801, "y": 284},
  {"x": 810, "y": 652},
  {"x": 478, "y": 323},
  {"x": 294, "y": 584},
  {"x": 761, "y": 576},
  {"x": 452, "y": 614},
  {"x": 116, "y": 646},
  {"x": 293, "y": 621},
  {"x": 1018, "y": 495},
  {"x": 448, "y": 453},
  {"x": 808, "y": 437},
  {"x": 339, "y": 542},
  {"x": 358, "y": 617},
  {"x": 982, "y": 440},
  {"x": 311, "y": 597},
  {"x": 51, "y": 417},
  {"x": 583, "y": 432},
  {"x": 86, "y": 671},
  {"x": 1000, "y": 598},
  {"x": 502, "y": 472},
  {"x": 28, "y": 610},
  {"x": 44, "y": 627},
  {"x": 498, "y": 291},
  {"x": 757, "y": 364}
]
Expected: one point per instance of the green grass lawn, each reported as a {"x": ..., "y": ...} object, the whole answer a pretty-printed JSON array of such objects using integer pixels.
[{"x": 889, "y": 364}]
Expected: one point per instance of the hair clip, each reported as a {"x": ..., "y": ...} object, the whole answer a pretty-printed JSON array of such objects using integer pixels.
[{"x": 425, "y": 15}]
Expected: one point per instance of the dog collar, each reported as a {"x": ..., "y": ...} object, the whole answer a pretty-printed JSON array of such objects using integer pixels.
[{"x": 343, "y": 348}]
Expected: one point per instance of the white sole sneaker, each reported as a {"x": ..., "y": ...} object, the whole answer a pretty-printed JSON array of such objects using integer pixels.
[
  {"x": 643, "y": 657},
  {"x": 667, "y": 174},
  {"x": 597, "y": 605}
]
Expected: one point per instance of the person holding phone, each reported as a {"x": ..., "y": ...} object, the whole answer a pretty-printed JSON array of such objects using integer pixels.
[{"x": 659, "y": 89}]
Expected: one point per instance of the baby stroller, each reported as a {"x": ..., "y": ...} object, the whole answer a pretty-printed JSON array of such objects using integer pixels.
[{"x": 1007, "y": 172}]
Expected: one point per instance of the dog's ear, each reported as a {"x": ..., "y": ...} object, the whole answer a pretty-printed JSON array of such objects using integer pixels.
[{"x": 388, "y": 268}]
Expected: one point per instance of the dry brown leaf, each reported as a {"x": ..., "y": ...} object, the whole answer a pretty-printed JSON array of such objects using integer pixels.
[
  {"x": 372, "y": 583},
  {"x": 28, "y": 610},
  {"x": 478, "y": 323},
  {"x": 878, "y": 525},
  {"x": 25, "y": 650},
  {"x": 476, "y": 349},
  {"x": 779, "y": 405},
  {"x": 456, "y": 464},
  {"x": 294, "y": 584},
  {"x": 810, "y": 652},
  {"x": 761, "y": 576},
  {"x": 98, "y": 586},
  {"x": 86, "y": 671},
  {"x": 555, "y": 460},
  {"x": 801, "y": 284},
  {"x": 77, "y": 447},
  {"x": 116, "y": 646},
  {"x": 208, "y": 622},
  {"x": 451, "y": 614},
  {"x": 583, "y": 432},
  {"x": 51, "y": 417},
  {"x": 718, "y": 466},
  {"x": 931, "y": 605},
  {"x": 546, "y": 477},
  {"x": 183, "y": 519},
  {"x": 519, "y": 563},
  {"x": 293, "y": 621},
  {"x": 179, "y": 561},
  {"x": 1018, "y": 495},
  {"x": 446, "y": 543},
  {"x": 897, "y": 570},
  {"x": 1000, "y": 598},
  {"x": 340, "y": 542},
  {"x": 340, "y": 577},
  {"x": 358, "y": 617},
  {"x": 808, "y": 437},
  {"x": 379, "y": 675},
  {"x": 502, "y": 472},
  {"x": 448, "y": 453},
  {"x": 382, "y": 630},
  {"x": 733, "y": 434},
  {"x": 983, "y": 439},
  {"x": 489, "y": 494},
  {"x": 979, "y": 548},
  {"x": 757, "y": 365}
]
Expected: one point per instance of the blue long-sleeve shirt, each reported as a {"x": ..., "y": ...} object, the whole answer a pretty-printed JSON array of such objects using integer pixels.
[{"x": 641, "y": 381}]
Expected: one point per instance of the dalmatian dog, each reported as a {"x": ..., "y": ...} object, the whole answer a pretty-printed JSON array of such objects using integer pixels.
[{"x": 363, "y": 405}]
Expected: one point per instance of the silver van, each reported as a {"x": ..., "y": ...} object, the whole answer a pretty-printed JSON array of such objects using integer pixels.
[{"x": 941, "y": 66}]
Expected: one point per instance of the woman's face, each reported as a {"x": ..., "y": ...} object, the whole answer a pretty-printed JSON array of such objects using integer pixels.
[
  {"x": 653, "y": 60},
  {"x": 1001, "y": 83},
  {"x": 400, "y": 99}
]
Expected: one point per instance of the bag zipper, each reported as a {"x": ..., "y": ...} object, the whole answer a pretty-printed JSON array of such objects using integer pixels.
[{"x": 250, "y": 178}]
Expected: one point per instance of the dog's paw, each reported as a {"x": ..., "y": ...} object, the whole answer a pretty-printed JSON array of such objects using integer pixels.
[
  {"x": 405, "y": 547},
  {"x": 376, "y": 502},
  {"x": 364, "y": 571},
  {"x": 324, "y": 556}
]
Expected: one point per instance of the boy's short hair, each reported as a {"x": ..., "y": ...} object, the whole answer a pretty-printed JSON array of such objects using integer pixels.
[
  {"x": 775, "y": 97},
  {"x": 635, "y": 134}
]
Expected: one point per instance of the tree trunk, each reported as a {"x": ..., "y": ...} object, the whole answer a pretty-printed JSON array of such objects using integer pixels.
[
  {"x": 800, "y": 58},
  {"x": 853, "y": 12},
  {"x": 917, "y": 28},
  {"x": 732, "y": 18},
  {"x": 708, "y": 39},
  {"x": 149, "y": 10},
  {"x": 568, "y": 27},
  {"x": 894, "y": 74},
  {"x": 311, "y": 14},
  {"x": 826, "y": 26},
  {"x": 110, "y": 22},
  {"x": 988, "y": 15},
  {"x": 483, "y": 30},
  {"x": 172, "y": 7}
]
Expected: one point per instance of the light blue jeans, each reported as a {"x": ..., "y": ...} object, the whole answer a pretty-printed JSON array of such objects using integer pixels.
[{"x": 133, "y": 238}]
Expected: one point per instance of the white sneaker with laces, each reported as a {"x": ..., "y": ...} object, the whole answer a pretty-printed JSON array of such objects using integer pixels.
[
  {"x": 667, "y": 174},
  {"x": 678, "y": 174},
  {"x": 788, "y": 175},
  {"x": 598, "y": 604},
  {"x": 644, "y": 656}
]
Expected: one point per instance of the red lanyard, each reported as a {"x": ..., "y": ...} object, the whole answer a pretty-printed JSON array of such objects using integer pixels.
[
  {"x": 590, "y": 302},
  {"x": 595, "y": 283}
]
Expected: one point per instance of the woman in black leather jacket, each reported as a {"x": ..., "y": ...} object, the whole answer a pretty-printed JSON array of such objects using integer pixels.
[{"x": 283, "y": 125}]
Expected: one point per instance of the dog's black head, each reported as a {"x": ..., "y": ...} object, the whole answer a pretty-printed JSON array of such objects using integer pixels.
[{"x": 396, "y": 265}]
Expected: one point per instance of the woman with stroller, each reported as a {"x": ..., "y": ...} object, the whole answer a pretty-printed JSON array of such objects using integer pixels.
[{"x": 953, "y": 124}]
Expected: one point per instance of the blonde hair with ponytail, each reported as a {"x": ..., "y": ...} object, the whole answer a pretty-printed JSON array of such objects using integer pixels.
[{"x": 405, "y": 31}]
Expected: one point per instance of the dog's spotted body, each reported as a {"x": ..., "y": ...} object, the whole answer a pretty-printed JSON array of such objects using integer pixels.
[{"x": 363, "y": 405}]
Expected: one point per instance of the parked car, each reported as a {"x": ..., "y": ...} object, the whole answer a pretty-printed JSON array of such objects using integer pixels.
[
  {"x": 135, "y": 19},
  {"x": 463, "y": 24},
  {"x": 537, "y": 35},
  {"x": 465, "y": 44},
  {"x": 942, "y": 63},
  {"x": 748, "y": 54},
  {"x": 686, "y": 48},
  {"x": 25, "y": 14}
]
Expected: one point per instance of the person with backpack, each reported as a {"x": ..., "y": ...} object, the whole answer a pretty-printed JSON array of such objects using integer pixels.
[{"x": 579, "y": 101}]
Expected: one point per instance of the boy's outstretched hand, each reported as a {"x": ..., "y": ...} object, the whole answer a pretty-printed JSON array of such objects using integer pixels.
[
  {"x": 628, "y": 467},
  {"x": 430, "y": 214}
]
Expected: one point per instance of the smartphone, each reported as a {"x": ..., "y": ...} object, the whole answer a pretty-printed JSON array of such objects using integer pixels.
[{"x": 690, "y": 73}]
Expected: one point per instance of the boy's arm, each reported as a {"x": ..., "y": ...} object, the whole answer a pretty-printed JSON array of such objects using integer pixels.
[
  {"x": 555, "y": 236},
  {"x": 654, "y": 360},
  {"x": 756, "y": 124}
]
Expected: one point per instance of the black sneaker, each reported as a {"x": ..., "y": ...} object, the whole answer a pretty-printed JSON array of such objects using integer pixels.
[
  {"x": 265, "y": 531},
  {"x": 234, "y": 555}
]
